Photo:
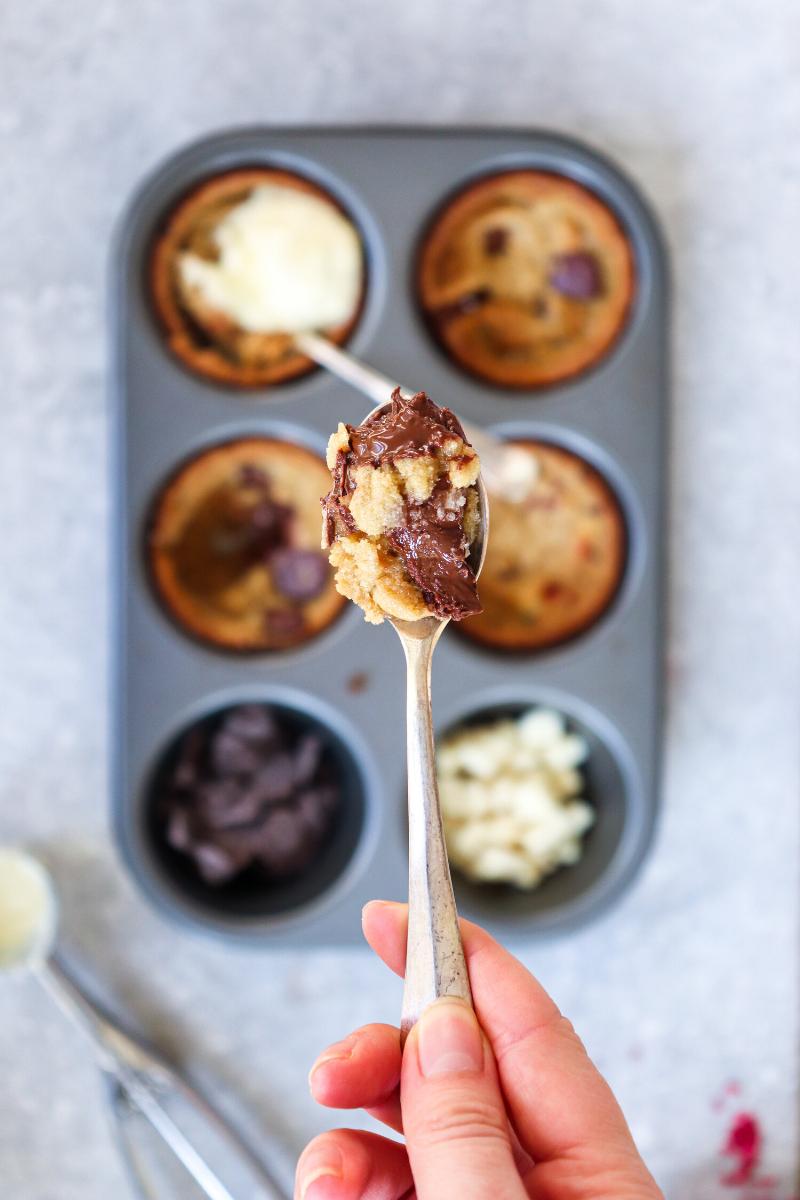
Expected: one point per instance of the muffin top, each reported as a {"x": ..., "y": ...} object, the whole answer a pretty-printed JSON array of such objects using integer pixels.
[
  {"x": 525, "y": 278},
  {"x": 553, "y": 562},
  {"x": 247, "y": 260},
  {"x": 232, "y": 546}
]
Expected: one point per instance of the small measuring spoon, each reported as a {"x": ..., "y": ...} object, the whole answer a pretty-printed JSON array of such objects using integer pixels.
[{"x": 140, "y": 1081}]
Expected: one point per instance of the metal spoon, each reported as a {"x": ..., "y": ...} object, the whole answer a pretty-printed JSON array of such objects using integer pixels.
[
  {"x": 508, "y": 470},
  {"x": 435, "y": 964},
  {"x": 141, "y": 1083}
]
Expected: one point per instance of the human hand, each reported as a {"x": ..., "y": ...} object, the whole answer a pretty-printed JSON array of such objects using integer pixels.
[{"x": 508, "y": 1109}]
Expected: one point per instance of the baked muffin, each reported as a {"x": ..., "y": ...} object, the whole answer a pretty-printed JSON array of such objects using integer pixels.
[
  {"x": 232, "y": 546},
  {"x": 553, "y": 562},
  {"x": 248, "y": 259},
  {"x": 403, "y": 512},
  {"x": 525, "y": 278}
]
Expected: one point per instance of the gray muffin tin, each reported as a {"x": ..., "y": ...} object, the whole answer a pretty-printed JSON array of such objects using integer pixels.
[{"x": 607, "y": 682}]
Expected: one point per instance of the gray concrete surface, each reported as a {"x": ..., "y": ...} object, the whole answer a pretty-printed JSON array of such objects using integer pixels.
[{"x": 692, "y": 981}]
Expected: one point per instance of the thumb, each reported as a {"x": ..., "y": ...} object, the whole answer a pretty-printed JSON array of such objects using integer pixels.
[{"x": 454, "y": 1119}]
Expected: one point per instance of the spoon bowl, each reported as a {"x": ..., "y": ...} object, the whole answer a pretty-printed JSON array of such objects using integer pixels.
[{"x": 28, "y": 911}]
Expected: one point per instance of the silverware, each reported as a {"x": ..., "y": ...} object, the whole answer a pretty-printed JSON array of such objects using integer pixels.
[
  {"x": 507, "y": 470},
  {"x": 141, "y": 1083},
  {"x": 435, "y": 964}
]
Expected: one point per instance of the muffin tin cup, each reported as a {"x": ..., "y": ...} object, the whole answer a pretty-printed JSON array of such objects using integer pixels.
[
  {"x": 611, "y": 848},
  {"x": 608, "y": 679},
  {"x": 178, "y": 892}
]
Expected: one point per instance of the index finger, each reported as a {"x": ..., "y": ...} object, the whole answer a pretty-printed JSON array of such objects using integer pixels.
[{"x": 558, "y": 1101}]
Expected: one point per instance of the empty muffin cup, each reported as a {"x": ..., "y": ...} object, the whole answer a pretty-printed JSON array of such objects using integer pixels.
[
  {"x": 542, "y": 793},
  {"x": 251, "y": 813},
  {"x": 525, "y": 278},
  {"x": 555, "y": 561},
  {"x": 232, "y": 546},
  {"x": 244, "y": 261}
]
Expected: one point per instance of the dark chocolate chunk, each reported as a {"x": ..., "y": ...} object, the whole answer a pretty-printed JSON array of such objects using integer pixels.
[
  {"x": 465, "y": 304},
  {"x": 218, "y": 862},
  {"x": 307, "y": 755},
  {"x": 275, "y": 780},
  {"x": 179, "y": 832},
  {"x": 283, "y": 843},
  {"x": 314, "y": 808},
  {"x": 299, "y": 574},
  {"x": 248, "y": 793},
  {"x": 495, "y": 241},
  {"x": 271, "y": 525},
  {"x": 284, "y": 623},
  {"x": 224, "y": 805},
  {"x": 252, "y": 723},
  {"x": 252, "y": 476},
  {"x": 576, "y": 275},
  {"x": 232, "y": 755}
]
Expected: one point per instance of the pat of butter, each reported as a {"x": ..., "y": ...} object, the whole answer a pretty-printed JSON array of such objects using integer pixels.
[
  {"x": 27, "y": 909},
  {"x": 288, "y": 262}
]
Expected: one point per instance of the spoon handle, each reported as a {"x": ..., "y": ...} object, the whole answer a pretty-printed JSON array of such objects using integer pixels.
[
  {"x": 435, "y": 964},
  {"x": 508, "y": 470}
]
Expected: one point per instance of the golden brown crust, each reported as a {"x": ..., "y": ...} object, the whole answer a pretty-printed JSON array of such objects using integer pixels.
[
  {"x": 207, "y": 342},
  {"x": 216, "y": 592},
  {"x": 553, "y": 563},
  {"x": 518, "y": 331}
]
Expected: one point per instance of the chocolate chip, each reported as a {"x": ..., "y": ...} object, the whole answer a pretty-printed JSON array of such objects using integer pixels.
[
  {"x": 275, "y": 781},
  {"x": 283, "y": 845},
  {"x": 249, "y": 792},
  {"x": 313, "y": 810},
  {"x": 232, "y": 755},
  {"x": 495, "y": 241},
  {"x": 284, "y": 623},
  {"x": 225, "y": 805},
  {"x": 179, "y": 834},
  {"x": 576, "y": 275},
  {"x": 218, "y": 863},
  {"x": 307, "y": 757},
  {"x": 299, "y": 574},
  {"x": 461, "y": 307},
  {"x": 252, "y": 476},
  {"x": 271, "y": 524},
  {"x": 251, "y": 723},
  {"x": 552, "y": 590}
]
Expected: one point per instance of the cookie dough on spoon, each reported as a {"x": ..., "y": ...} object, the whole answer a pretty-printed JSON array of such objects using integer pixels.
[{"x": 403, "y": 512}]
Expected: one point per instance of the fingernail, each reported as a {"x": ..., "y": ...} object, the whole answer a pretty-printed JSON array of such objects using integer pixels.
[
  {"x": 381, "y": 904},
  {"x": 322, "y": 1162},
  {"x": 449, "y": 1039},
  {"x": 338, "y": 1052}
]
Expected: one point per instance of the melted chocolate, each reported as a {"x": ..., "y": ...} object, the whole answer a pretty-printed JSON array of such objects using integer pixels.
[
  {"x": 434, "y": 548},
  {"x": 431, "y": 541},
  {"x": 403, "y": 429}
]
